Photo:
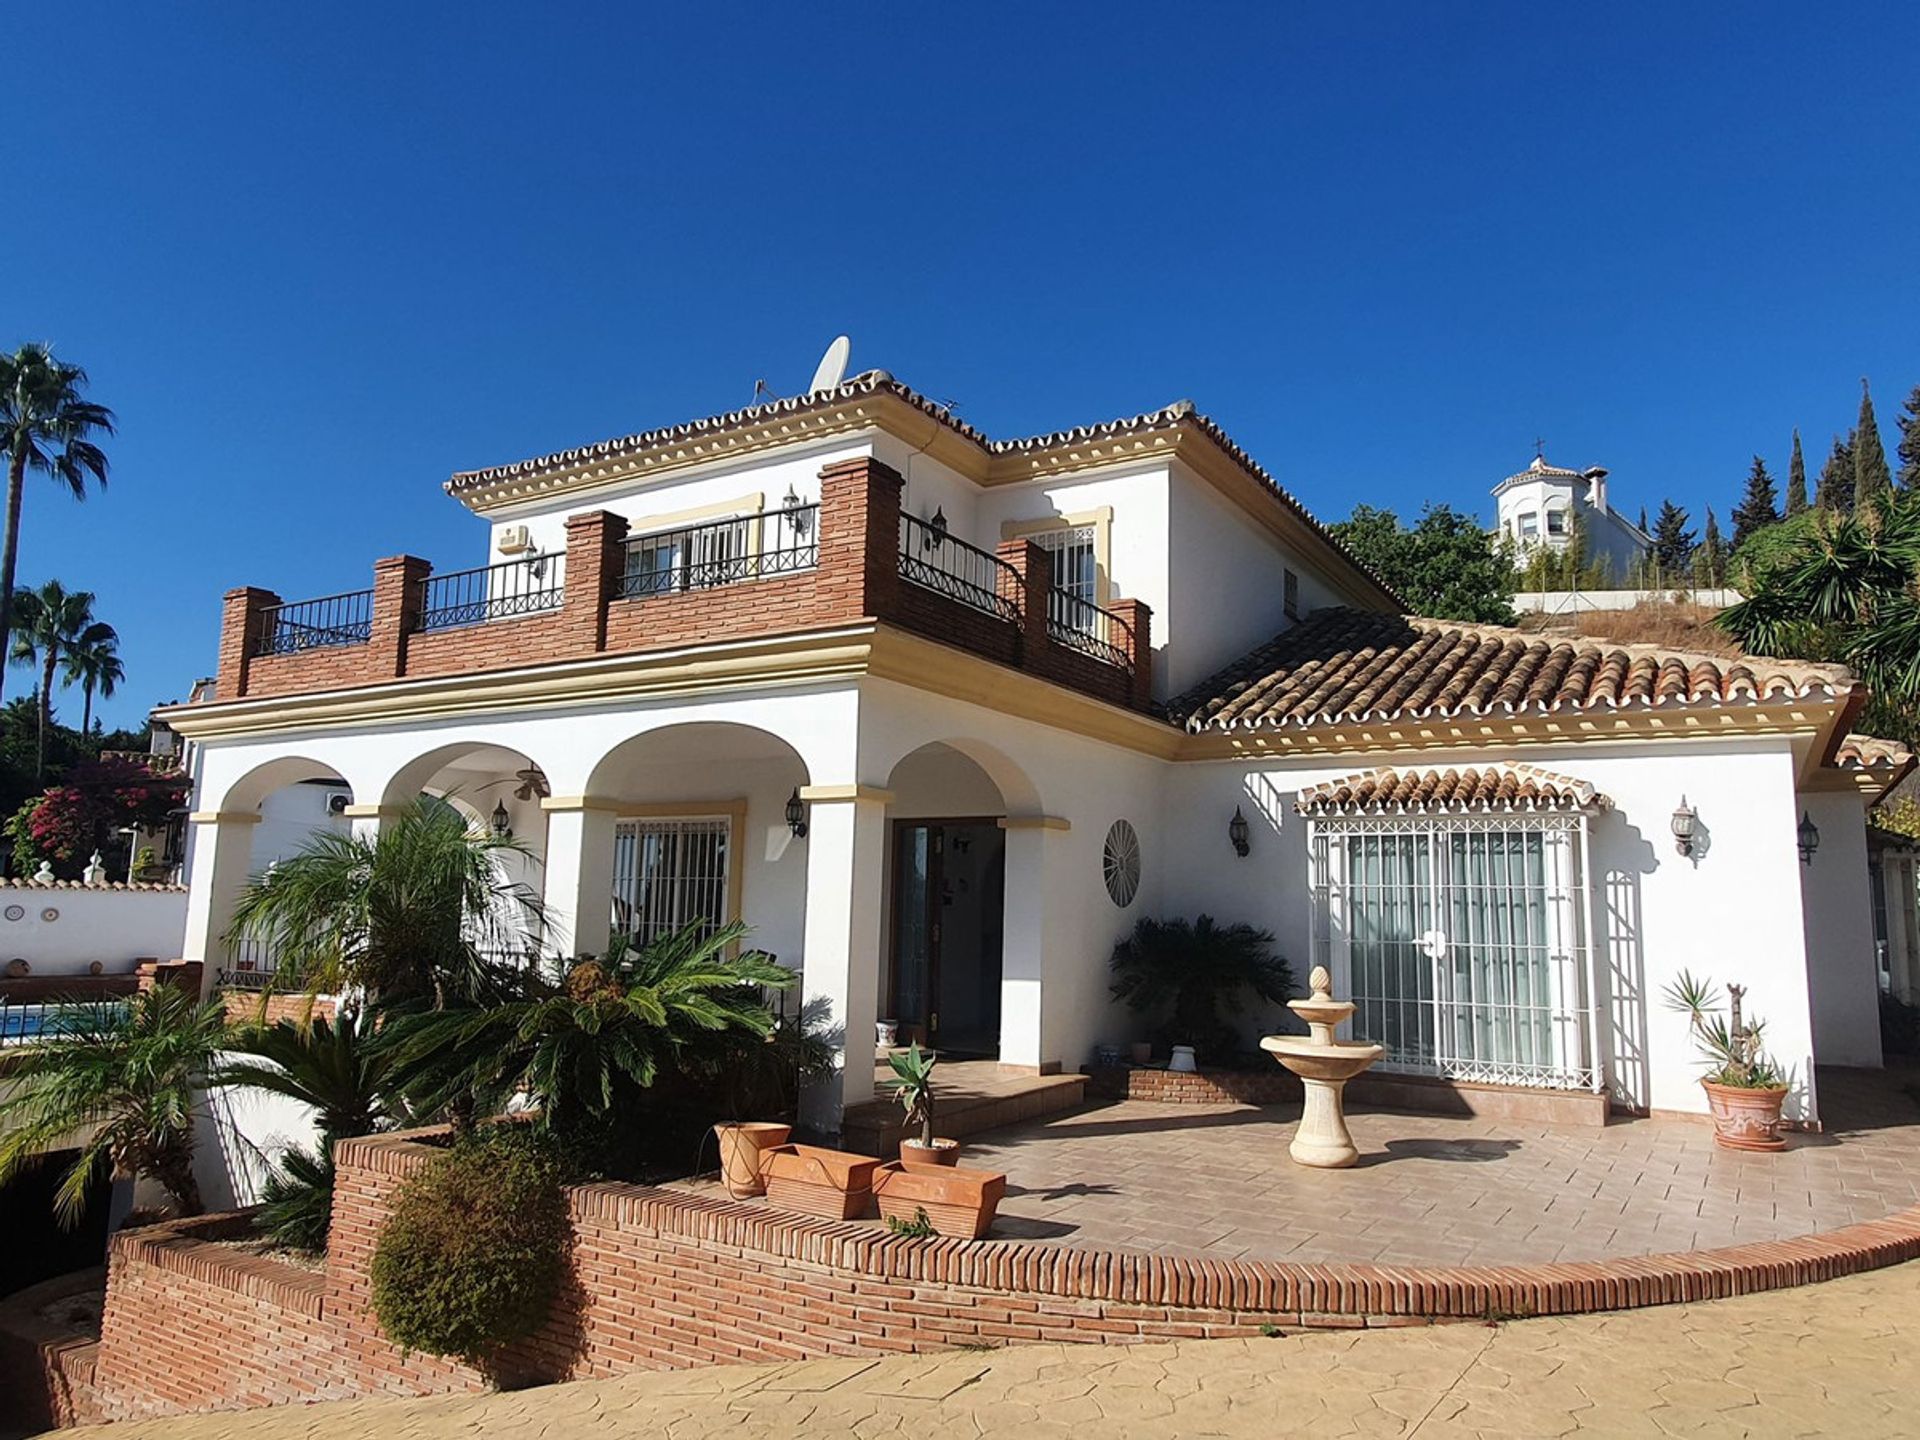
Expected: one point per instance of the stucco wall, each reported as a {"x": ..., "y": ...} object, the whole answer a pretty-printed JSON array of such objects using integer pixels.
[
  {"x": 1841, "y": 964},
  {"x": 114, "y": 925}
]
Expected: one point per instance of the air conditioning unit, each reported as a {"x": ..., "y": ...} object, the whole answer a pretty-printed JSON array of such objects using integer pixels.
[{"x": 514, "y": 540}]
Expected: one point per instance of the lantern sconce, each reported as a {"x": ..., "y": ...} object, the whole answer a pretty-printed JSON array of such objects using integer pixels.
[
  {"x": 797, "y": 815},
  {"x": 793, "y": 511},
  {"x": 1237, "y": 833},
  {"x": 1809, "y": 838},
  {"x": 936, "y": 529},
  {"x": 502, "y": 822},
  {"x": 1685, "y": 822}
]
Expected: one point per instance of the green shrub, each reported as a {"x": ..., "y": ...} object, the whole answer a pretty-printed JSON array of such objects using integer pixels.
[
  {"x": 475, "y": 1249},
  {"x": 296, "y": 1204}
]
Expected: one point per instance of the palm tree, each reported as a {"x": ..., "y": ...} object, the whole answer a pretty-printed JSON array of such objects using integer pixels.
[
  {"x": 93, "y": 662},
  {"x": 1188, "y": 971},
  {"x": 121, "y": 1078},
  {"x": 51, "y": 623},
  {"x": 46, "y": 426},
  {"x": 575, "y": 1041},
  {"x": 421, "y": 911}
]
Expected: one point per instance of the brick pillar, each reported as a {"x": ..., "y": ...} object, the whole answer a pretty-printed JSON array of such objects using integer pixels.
[
  {"x": 859, "y": 539},
  {"x": 397, "y": 582},
  {"x": 241, "y": 627},
  {"x": 1138, "y": 616},
  {"x": 1034, "y": 566},
  {"x": 180, "y": 974},
  {"x": 596, "y": 554}
]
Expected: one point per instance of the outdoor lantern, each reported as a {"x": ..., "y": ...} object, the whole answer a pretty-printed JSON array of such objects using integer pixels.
[
  {"x": 790, "y": 507},
  {"x": 796, "y": 815},
  {"x": 1237, "y": 833},
  {"x": 1683, "y": 825},
  {"x": 937, "y": 528},
  {"x": 502, "y": 822},
  {"x": 1809, "y": 838}
]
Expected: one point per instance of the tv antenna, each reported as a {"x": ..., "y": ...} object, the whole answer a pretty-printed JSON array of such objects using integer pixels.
[{"x": 832, "y": 368}]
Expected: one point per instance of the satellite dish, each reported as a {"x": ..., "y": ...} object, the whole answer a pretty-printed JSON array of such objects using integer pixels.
[{"x": 832, "y": 368}]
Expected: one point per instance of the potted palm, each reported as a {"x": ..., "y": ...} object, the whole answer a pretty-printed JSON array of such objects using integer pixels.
[
  {"x": 1745, "y": 1087},
  {"x": 913, "y": 1088}
]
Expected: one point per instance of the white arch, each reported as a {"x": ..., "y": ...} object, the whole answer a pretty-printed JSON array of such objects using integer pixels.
[
  {"x": 1017, "y": 789},
  {"x": 253, "y": 786},
  {"x": 699, "y": 742}
]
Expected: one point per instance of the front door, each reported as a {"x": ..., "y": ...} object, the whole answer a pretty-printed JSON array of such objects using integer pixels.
[{"x": 949, "y": 899}]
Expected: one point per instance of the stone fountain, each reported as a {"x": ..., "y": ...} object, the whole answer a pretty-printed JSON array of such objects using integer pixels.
[{"x": 1324, "y": 1066}]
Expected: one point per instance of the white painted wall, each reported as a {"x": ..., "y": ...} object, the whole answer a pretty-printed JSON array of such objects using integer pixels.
[
  {"x": 1842, "y": 967},
  {"x": 115, "y": 927}
]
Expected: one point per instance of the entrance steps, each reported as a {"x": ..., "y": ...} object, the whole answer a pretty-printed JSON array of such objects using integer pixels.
[{"x": 971, "y": 1097}]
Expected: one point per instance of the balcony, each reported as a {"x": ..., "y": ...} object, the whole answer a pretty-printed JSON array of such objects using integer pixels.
[{"x": 852, "y": 557}]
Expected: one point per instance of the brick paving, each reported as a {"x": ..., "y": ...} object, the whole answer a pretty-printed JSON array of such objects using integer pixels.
[
  {"x": 1215, "y": 1181},
  {"x": 1832, "y": 1359}
]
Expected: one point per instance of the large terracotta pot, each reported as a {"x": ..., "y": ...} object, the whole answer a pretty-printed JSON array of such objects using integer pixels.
[
  {"x": 958, "y": 1203},
  {"x": 816, "y": 1181},
  {"x": 943, "y": 1152},
  {"x": 742, "y": 1148},
  {"x": 1746, "y": 1119}
]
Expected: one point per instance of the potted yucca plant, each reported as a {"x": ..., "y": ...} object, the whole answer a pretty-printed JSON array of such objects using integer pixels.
[
  {"x": 1745, "y": 1087},
  {"x": 913, "y": 1088}
]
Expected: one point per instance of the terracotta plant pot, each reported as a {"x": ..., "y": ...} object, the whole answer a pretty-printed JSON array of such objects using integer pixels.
[
  {"x": 943, "y": 1152},
  {"x": 743, "y": 1147},
  {"x": 1142, "y": 1052},
  {"x": 1746, "y": 1119},
  {"x": 959, "y": 1203},
  {"x": 816, "y": 1181}
]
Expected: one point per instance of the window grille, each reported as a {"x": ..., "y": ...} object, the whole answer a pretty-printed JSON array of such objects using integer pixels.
[
  {"x": 1290, "y": 594},
  {"x": 670, "y": 873},
  {"x": 1463, "y": 941},
  {"x": 1076, "y": 569}
]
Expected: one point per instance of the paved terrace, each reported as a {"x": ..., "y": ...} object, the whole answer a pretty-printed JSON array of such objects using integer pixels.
[{"x": 1215, "y": 1181}]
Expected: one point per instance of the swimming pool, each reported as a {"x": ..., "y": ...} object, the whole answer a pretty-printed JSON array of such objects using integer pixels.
[{"x": 27, "y": 1020}]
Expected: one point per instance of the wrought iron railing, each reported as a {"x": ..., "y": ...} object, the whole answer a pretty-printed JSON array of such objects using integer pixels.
[
  {"x": 345, "y": 619},
  {"x": 1081, "y": 625},
  {"x": 939, "y": 561},
  {"x": 493, "y": 592},
  {"x": 720, "y": 552},
  {"x": 252, "y": 965}
]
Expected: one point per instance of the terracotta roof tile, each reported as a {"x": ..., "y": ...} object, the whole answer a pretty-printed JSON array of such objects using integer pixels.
[
  {"x": 1344, "y": 665},
  {"x": 1868, "y": 752},
  {"x": 1491, "y": 787}
]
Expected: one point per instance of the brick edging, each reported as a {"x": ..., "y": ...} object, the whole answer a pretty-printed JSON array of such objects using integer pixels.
[{"x": 183, "y": 1247}]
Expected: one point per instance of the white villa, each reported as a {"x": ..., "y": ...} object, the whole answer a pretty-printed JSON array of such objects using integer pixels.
[
  {"x": 1538, "y": 508},
  {"x": 941, "y": 716}
]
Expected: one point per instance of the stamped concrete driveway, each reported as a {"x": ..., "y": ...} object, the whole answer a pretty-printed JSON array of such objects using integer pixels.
[{"x": 1833, "y": 1359}]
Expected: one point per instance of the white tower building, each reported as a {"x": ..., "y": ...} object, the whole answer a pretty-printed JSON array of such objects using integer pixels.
[{"x": 1537, "y": 508}]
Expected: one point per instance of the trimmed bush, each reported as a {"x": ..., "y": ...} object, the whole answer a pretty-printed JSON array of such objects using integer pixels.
[{"x": 475, "y": 1249}]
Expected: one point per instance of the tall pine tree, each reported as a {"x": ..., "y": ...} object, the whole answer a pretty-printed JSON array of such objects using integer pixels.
[
  {"x": 1836, "y": 478},
  {"x": 1710, "y": 561},
  {"x": 1757, "y": 508},
  {"x": 1796, "y": 478},
  {"x": 1672, "y": 542},
  {"x": 1909, "y": 447},
  {"x": 1871, "y": 478}
]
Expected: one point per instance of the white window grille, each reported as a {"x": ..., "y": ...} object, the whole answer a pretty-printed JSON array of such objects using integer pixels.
[
  {"x": 670, "y": 873},
  {"x": 1463, "y": 941},
  {"x": 1076, "y": 568},
  {"x": 691, "y": 558}
]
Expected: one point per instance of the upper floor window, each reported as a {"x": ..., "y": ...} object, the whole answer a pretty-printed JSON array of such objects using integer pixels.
[
  {"x": 1076, "y": 567},
  {"x": 1529, "y": 525},
  {"x": 1291, "y": 594},
  {"x": 1556, "y": 522}
]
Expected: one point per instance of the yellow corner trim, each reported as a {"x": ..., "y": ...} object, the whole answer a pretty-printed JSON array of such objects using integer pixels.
[
  {"x": 1035, "y": 822},
  {"x": 373, "y": 812},
  {"x": 578, "y": 802},
  {"x": 839, "y": 794},
  {"x": 224, "y": 817}
]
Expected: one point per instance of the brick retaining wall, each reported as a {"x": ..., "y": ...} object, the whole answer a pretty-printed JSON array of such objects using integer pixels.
[
  {"x": 1272, "y": 1086},
  {"x": 665, "y": 1278}
]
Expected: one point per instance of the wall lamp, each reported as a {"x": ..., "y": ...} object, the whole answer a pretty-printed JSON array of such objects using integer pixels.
[
  {"x": 502, "y": 822},
  {"x": 936, "y": 529},
  {"x": 1809, "y": 838},
  {"x": 792, "y": 510},
  {"x": 1237, "y": 833},
  {"x": 797, "y": 815},
  {"x": 1684, "y": 825}
]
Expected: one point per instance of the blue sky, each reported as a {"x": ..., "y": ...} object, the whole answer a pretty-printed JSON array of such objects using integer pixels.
[{"x": 319, "y": 257}]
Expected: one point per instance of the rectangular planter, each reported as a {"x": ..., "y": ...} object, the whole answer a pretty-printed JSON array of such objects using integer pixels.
[
  {"x": 959, "y": 1203},
  {"x": 817, "y": 1181}
]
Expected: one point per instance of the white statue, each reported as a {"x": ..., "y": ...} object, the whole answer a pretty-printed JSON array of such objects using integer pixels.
[{"x": 95, "y": 873}]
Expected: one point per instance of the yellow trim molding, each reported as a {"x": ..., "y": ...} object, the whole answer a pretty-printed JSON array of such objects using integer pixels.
[
  {"x": 373, "y": 812},
  {"x": 568, "y": 803},
  {"x": 1035, "y": 822},
  {"x": 842, "y": 794},
  {"x": 224, "y": 817}
]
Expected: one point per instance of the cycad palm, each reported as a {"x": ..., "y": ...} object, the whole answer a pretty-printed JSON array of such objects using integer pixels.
[
  {"x": 93, "y": 663},
  {"x": 53, "y": 622},
  {"x": 48, "y": 426},
  {"x": 420, "y": 911},
  {"x": 123, "y": 1079}
]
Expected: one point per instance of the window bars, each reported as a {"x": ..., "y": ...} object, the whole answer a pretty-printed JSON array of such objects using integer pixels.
[
  {"x": 936, "y": 560},
  {"x": 1464, "y": 941},
  {"x": 721, "y": 552},
  {"x": 668, "y": 874},
  {"x": 345, "y": 619},
  {"x": 493, "y": 592}
]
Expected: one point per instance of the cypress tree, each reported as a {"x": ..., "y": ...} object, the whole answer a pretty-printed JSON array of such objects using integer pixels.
[
  {"x": 1836, "y": 478},
  {"x": 1672, "y": 541},
  {"x": 1757, "y": 508},
  {"x": 1909, "y": 447},
  {"x": 1643, "y": 519},
  {"x": 1710, "y": 566},
  {"x": 1797, "y": 478},
  {"x": 1871, "y": 478}
]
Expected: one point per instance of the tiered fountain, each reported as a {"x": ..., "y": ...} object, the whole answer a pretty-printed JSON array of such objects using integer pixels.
[{"x": 1324, "y": 1066}]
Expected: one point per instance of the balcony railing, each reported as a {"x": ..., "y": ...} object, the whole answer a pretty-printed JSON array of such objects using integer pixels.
[
  {"x": 720, "y": 552},
  {"x": 948, "y": 565},
  {"x": 1081, "y": 625},
  {"x": 493, "y": 592},
  {"x": 345, "y": 619},
  {"x": 252, "y": 966}
]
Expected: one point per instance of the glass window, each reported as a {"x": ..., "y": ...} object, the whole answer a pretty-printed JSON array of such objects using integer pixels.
[
  {"x": 1556, "y": 522},
  {"x": 687, "y": 559},
  {"x": 1529, "y": 525},
  {"x": 668, "y": 874},
  {"x": 1075, "y": 569}
]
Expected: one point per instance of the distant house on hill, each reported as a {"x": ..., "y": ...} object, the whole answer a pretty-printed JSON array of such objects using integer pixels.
[{"x": 1537, "y": 509}]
